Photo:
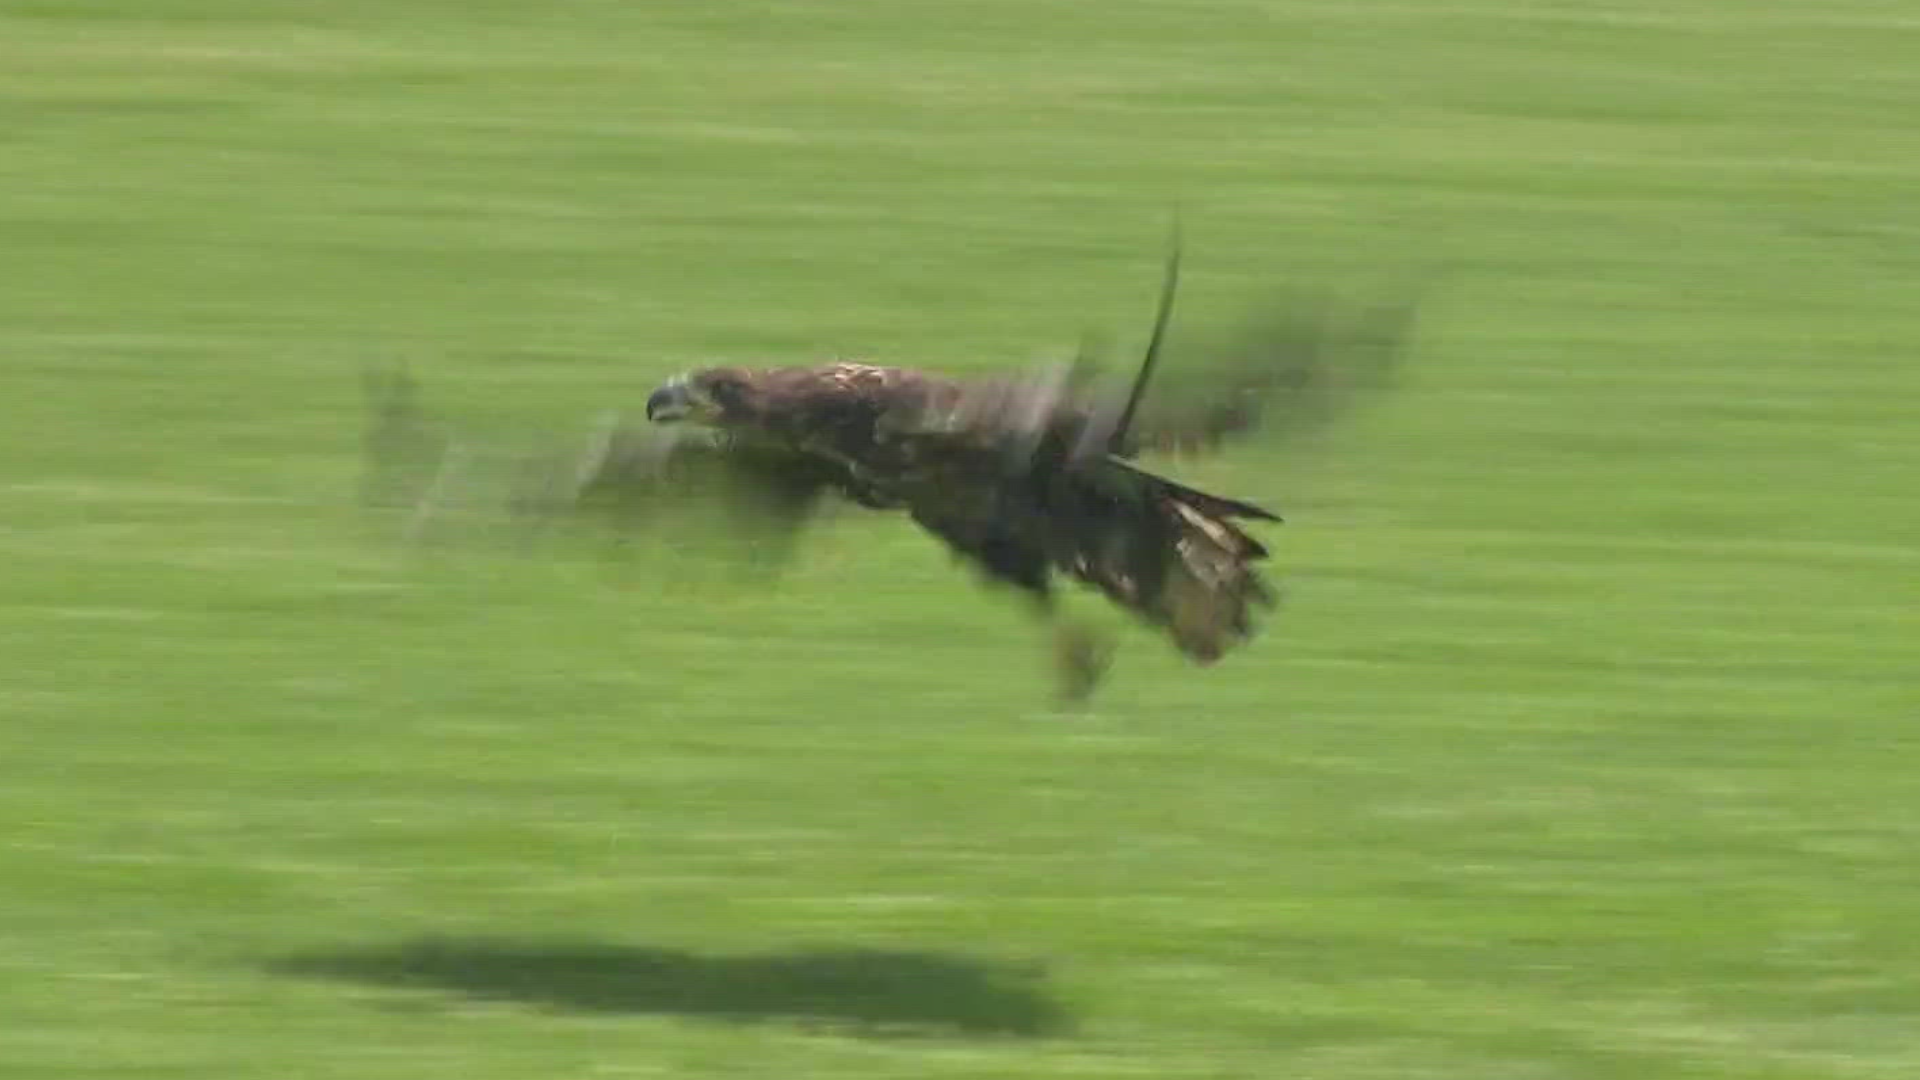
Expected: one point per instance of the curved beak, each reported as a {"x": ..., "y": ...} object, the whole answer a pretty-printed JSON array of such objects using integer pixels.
[{"x": 670, "y": 402}]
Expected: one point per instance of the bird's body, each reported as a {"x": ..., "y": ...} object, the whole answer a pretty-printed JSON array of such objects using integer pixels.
[{"x": 994, "y": 469}]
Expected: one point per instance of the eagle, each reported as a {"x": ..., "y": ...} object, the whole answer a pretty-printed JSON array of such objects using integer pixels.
[{"x": 1030, "y": 477}]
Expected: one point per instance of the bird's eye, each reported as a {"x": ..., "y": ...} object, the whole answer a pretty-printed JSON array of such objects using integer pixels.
[{"x": 726, "y": 390}]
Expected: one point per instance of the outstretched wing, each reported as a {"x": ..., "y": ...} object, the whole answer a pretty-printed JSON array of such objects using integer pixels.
[
  {"x": 1299, "y": 363},
  {"x": 622, "y": 479},
  {"x": 403, "y": 449},
  {"x": 750, "y": 498}
]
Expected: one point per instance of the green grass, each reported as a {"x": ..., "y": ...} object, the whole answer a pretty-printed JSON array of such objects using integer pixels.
[{"x": 1587, "y": 746}]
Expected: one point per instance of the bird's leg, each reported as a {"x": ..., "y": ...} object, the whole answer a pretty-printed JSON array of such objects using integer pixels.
[{"x": 1081, "y": 654}]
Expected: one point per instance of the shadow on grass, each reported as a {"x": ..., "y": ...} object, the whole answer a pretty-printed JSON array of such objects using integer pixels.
[{"x": 871, "y": 992}]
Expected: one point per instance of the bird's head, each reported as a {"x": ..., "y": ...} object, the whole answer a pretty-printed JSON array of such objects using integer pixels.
[{"x": 715, "y": 397}]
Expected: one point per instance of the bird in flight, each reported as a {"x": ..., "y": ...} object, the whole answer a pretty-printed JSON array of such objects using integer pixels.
[{"x": 1028, "y": 477}]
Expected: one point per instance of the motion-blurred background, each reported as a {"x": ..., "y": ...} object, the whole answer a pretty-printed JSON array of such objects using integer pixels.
[{"x": 1585, "y": 745}]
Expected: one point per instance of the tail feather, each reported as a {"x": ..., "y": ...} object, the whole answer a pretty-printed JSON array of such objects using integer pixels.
[
  {"x": 1217, "y": 505},
  {"x": 1209, "y": 596},
  {"x": 1174, "y": 556}
]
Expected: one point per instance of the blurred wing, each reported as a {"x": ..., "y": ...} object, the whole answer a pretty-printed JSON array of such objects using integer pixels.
[
  {"x": 1003, "y": 418},
  {"x": 402, "y": 448},
  {"x": 1298, "y": 364},
  {"x": 620, "y": 480},
  {"x": 731, "y": 497},
  {"x": 1295, "y": 366}
]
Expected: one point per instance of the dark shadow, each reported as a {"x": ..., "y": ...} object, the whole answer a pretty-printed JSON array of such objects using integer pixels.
[{"x": 873, "y": 992}]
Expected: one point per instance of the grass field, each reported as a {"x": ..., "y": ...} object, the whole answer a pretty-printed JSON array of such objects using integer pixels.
[{"x": 1587, "y": 745}]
